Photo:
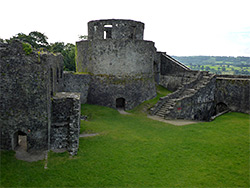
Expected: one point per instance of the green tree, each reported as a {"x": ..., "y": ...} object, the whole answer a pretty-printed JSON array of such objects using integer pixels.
[
  {"x": 39, "y": 40},
  {"x": 57, "y": 47},
  {"x": 35, "y": 39},
  {"x": 68, "y": 52}
]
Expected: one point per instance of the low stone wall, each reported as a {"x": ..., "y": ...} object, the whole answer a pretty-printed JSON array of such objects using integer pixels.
[
  {"x": 65, "y": 126},
  {"x": 233, "y": 91},
  {"x": 173, "y": 81},
  {"x": 74, "y": 82},
  {"x": 105, "y": 90}
]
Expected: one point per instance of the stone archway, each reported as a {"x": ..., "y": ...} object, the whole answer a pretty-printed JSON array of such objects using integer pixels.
[
  {"x": 221, "y": 107},
  {"x": 20, "y": 141},
  {"x": 120, "y": 103}
]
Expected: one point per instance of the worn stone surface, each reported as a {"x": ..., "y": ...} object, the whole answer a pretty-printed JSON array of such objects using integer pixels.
[
  {"x": 234, "y": 92},
  {"x": 65, "y": 125},
  {"x": 115, "y": 29},
  {"x": 26, "y": 87},
  {"x": 115, "y": 57},
  {"x": 77, "y": 83},
  {"x": 28, "y": 82},
  {"x": 121, "y": 66},
  {"x": 134, "y": 90},
  {"x": 194, "y": 100},
  {"x": 173, "y": 74}
]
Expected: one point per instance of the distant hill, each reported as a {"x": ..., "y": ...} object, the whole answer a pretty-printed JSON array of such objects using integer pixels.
[{"x": 217, "y": 64}]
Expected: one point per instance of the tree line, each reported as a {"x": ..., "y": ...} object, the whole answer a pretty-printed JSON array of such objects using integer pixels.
[{"x": 39, "y": 40}]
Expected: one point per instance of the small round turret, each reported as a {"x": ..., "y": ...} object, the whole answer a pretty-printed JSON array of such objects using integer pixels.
[{"x": 115, "y": 29}]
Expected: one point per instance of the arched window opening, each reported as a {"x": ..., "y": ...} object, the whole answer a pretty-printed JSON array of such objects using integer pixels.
[
  {"x": 20, "y": 141},
  {"x": 120, "y": 103}
]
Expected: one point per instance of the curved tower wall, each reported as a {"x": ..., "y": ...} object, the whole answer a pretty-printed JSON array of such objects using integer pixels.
[
  {"x": 121, "y": 65},
  {"x": 115, "y": 29}
]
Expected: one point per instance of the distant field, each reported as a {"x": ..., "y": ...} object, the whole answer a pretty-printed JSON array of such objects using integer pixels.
[
  {"x": 217, "y": 64},
  {"x": 135, "y": 151}
]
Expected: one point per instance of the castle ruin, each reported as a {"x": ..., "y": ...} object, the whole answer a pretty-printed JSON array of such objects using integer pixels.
[{"x": 115, "y": 68}]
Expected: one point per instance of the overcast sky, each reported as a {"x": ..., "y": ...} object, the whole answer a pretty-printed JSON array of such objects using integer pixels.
[{"x": 178, "y": 27}]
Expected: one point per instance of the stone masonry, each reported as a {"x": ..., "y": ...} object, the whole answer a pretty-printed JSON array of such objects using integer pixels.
[
  {"x": 120, "y": 63},
  {"x": 115, "y": 68},
  {"x": 29, "y": 100}
]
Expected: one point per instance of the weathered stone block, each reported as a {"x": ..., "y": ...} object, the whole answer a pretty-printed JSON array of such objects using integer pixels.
[{"x": 66, "y": 113}]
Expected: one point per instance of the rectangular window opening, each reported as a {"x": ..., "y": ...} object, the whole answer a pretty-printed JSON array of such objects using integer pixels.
[{"x": 107, "y": 32}]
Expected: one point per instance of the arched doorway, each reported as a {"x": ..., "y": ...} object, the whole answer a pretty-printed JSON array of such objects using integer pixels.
[
  {"x": 120, "y": 103},
  {"x": 221, "y": 107},
  {"x": 19, "y": 141}
]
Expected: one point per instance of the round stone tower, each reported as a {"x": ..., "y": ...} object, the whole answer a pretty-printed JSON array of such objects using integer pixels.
[{"x": 120, "y": 62}]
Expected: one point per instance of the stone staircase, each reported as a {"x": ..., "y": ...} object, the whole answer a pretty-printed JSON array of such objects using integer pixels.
[{"x": 173, "y": 106}]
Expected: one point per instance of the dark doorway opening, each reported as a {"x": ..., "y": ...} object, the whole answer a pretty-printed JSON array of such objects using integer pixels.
[
  {"x": 120, "y": 103},
  {"x": 221, "y": 107},
  {"x": 20, "y": 141}
]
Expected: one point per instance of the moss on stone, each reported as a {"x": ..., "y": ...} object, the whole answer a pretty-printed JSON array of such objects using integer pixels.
[{"x": 27, "y": 48}]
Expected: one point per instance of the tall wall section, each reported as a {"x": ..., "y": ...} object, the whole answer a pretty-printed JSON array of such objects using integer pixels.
[
  {"x": 65, "y": 122},
  {"x": 27, "y": 84}
]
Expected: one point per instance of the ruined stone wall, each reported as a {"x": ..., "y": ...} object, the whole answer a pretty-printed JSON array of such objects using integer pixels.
[
  {"x": 28, "y": 81},
  {"x": 115, "y": 29},
  {"x": 174, "y": 74},
  {"x": 119, "y": 69},
  {"x": 65, "y": 127},
  {"x": 170, "y": 65},
  {"x": 234, "y": 91},
  {"x": 173, "y": 81},
  {"x": 24, "y": 97},
  {"x": 79, "y": 83},
  {"x": 115, "y": 57},
  {"x": 105, "y": 91},
  {"x": 55, "y": 63},
  {"x": 200, "y": 106}
]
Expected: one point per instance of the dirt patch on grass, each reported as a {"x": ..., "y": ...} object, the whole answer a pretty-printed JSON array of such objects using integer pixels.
[
  {"x": 88, "y": 135},
  {"x": 176, "y": 122},
  {"x": 23, "y": 155}
]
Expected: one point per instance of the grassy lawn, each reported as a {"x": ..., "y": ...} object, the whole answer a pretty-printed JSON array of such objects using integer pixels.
[{"x": 134, "y": 151}]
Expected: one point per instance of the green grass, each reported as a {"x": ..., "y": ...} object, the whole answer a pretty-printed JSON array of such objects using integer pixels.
[{"x": 134, "y": 151}]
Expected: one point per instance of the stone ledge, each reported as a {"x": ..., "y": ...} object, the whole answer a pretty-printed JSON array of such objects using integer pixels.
[{"x": 67, "y": 95}]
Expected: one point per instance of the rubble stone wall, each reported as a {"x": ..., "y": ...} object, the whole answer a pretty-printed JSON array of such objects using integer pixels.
[
  {"x": 234, "y": 92},
  {"x": 115, "y": 29},
  {"x": 24, "y": 97},
  {"x": 106, "y": 90},
  {"x": 65, "y": 126},
  {"x": 79, "y": 83}
]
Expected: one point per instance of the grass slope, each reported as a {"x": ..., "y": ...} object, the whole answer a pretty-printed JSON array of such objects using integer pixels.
[{"x": 134, "y": 151}]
